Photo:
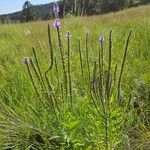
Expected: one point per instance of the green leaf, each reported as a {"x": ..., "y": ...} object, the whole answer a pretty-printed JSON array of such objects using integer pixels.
[{"x": 72, "y": 125}]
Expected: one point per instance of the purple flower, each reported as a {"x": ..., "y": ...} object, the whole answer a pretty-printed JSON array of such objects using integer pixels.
[
  {"x": 57, "y": 24},
  {"x": 101, "y": 39},
  {"x": 68, "y": 36},
  {"x": 26, "y": 60},
  {"x": 56, "y": 9}
]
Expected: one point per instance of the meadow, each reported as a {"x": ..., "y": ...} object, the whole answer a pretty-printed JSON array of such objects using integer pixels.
[{"x": 47, "y": 105}]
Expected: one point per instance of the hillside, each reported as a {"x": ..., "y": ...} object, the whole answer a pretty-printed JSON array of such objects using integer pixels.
[
  {"x": 43, "y": 11},
  {"x": 80, "y": 8}
]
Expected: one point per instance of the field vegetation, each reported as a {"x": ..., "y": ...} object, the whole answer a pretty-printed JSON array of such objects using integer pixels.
[{"x": 87, "y": 90}]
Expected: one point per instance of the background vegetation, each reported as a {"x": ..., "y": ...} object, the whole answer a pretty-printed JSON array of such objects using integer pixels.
[{"x": 69, "y": 8}]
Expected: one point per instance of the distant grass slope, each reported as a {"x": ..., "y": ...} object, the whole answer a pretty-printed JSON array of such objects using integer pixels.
[
  {"x": 18, "y": 121},
  {"x": 15, "y": 44}
]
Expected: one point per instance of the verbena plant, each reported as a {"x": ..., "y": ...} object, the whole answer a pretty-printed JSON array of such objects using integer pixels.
[{"x": 69, "y": 115}]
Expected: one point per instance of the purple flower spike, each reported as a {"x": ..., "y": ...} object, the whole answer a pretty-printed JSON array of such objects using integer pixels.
[
  {"x": 26, "y": 60},
  {"x": 68, "y": 36},
  {"x": 56, "y": 9},
  {"x": 57, "y": 24},
  {"x": 101, "y": 39}
]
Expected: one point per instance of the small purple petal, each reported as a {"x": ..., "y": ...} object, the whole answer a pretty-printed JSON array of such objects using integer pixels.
[
  {"x": 68, "y": 35},
  {"x": 101, "y": 39},
  {"x": 57, "y": 24},
  {"x": 56, "y": 9},
  {"x": 26, "y": 60}
]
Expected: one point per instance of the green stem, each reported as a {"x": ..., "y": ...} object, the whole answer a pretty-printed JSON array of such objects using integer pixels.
[
  {"x": 122, "y": 66},
  {"x": 38, "y": 67},
  {"x": 63, "y": 61},
  {"x": 109, "y": 67},
  {"x": 94, "y": 89},
  {"x": 33, "y": 83},
  {"x": 80, "y": 54},
  {"x": 69, "y": 72},
  {"x": 37, "y": 74},
  {"x": 51, "y": 49},
  {"x": 101, "y": 75},
  {"x": 87, "y": 54}
]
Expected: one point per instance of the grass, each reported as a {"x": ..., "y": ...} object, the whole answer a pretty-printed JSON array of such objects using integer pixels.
[{"x": 29, "y": 122}]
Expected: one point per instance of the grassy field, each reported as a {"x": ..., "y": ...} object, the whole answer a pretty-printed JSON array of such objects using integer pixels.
[{"x": 42, "y": 111}]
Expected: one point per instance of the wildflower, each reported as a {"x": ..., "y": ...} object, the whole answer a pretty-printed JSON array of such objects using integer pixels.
[
  {"x": 56, "y": 9},
  {"x": 27, "y": 32},
  {"x": 26, "y": 60},
  {"x": 68, "y": 36},
  {"x": 101, "y": 39},
  {"x": 57, "y": 24}
]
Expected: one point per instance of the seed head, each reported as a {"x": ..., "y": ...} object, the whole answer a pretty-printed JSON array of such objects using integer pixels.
[
  {"x": 101, "y": 39},
  {"x": 26, "y": 60},
  {"x": 57, "y": 24}
]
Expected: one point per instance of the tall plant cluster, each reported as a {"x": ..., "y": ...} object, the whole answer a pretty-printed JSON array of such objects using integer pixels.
[
  {"x": 90, "y": 92},
  {"x": 101, "y": 81}
]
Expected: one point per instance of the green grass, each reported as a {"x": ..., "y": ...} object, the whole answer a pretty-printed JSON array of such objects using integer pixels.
[{"x": 24, "y": 120}]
